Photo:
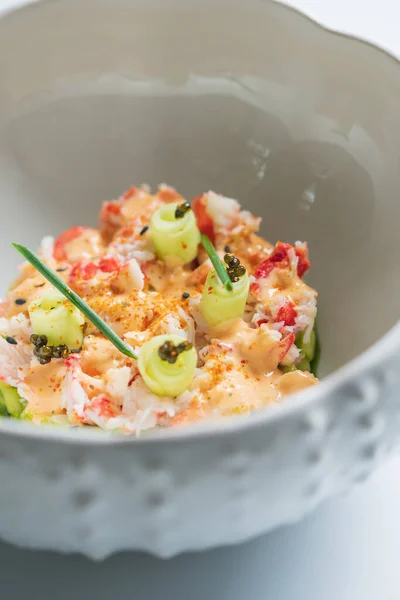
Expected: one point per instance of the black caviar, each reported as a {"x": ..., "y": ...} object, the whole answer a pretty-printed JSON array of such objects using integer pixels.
[
  {"x": 227, "y": 249},
  {"x": 60, "y": 351},
  {"x": 44, "y": 353},
  {"x": 145, "y": 228},
  {"x": 181, "y": 210},
  {"x": 11, "y": 340},
  {"x": 185, "y": 295},
  {"x": 38, "y": 340},
  {"x": 169, "y": 352},
  {"x": 234, "y": 269},
  {"x": 20, "y": 301}
]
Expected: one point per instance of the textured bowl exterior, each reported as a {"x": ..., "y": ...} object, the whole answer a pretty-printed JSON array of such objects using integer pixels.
[
  {"x": 88, "y": 492},
  {"x": 204, "y": 489}
]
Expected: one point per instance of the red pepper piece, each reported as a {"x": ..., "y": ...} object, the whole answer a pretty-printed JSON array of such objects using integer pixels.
[{"x": 204, "y": 221}]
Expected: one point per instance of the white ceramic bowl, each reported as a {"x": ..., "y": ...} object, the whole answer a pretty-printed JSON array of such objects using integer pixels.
[{"x": 256, "y": 101}]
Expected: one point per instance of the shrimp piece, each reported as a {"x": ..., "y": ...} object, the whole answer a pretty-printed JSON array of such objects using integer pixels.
[{"x": 76, "y": 242}]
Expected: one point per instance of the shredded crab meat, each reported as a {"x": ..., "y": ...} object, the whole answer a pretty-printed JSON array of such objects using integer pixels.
[
  {"x": 241, "y": 362},
  {"x": 138, "y": 250},
  {"x": 47, "y": 248},
  {"x": 74, "y": 399}
]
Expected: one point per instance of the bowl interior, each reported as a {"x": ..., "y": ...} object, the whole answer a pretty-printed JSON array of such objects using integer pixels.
[{"x": 253, "y": 101}]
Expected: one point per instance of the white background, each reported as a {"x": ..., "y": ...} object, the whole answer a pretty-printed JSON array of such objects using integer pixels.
[
  {"x": 348, "y": 549},
  {"x": 375, "y": 20}
]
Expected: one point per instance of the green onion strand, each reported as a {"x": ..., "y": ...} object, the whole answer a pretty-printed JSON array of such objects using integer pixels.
[
  {"x": 217, "y": 262},
  {"x": 62, "y": 287},
  {"x": 317, "y": 353}
]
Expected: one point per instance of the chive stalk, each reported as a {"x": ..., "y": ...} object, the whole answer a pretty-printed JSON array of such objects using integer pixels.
[{"x": 216, "y": 262}]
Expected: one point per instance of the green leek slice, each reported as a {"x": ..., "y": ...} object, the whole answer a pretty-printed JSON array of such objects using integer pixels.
[
  {"x": 219, "y": 304},
  {"x": 162, "y": 377},
  {"x": 11, "y": 400},
  {"x": 174, "y": 238},
  {"x": 55, "y": 317},
  {"x": 309, "y": 347}
]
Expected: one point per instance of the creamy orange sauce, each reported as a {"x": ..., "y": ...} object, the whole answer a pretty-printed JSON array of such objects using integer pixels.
[
  {"x": 26, "y": 291},
  {"x": 293, "y": 382},
  {"x": 99, "y": 355},
  {"x": 139, "y": 206},
  {"x": 241, "y": 368},
  {"x": 88, "y": 244},
  {"x": 44, "y": 397}
]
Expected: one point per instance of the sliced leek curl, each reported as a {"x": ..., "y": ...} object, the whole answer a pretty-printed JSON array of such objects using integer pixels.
[
  {"x": 174, "y": 238},
  {"x": 162, "y": 377},
  {"x": 53, "y": 316},
  {"x": 219, "y": 304},
  {"x": 11, "y": 402}
]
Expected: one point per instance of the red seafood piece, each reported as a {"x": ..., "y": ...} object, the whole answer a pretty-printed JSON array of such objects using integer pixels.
[
  {"x": 287, "y": 313},
  {"x": 204, "y": 221},
  {"x": 65, "y": 238}
]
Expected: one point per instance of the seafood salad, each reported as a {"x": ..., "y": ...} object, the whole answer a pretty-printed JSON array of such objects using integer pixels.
[{"x": 170, "y": 312}]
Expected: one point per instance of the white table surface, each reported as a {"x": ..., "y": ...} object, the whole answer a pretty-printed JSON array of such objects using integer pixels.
[{"x": 349, "y": 549}]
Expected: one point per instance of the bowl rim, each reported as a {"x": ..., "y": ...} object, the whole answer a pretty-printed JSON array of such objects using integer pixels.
[{"x": 379, "y": 352}]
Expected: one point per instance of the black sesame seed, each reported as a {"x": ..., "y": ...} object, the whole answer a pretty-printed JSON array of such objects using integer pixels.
[
  {"x": 145, "y": 228},
  {"x": 20, "y": 301},
  {"x": 185, "y": 295},
  {"x": 39, "y": 285},
  {"x": 227, "y": 249},
  {"x": 76, "y": 350},
  {"x": 61, "y": 270},
  {"x": 11, "y": 340}
]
